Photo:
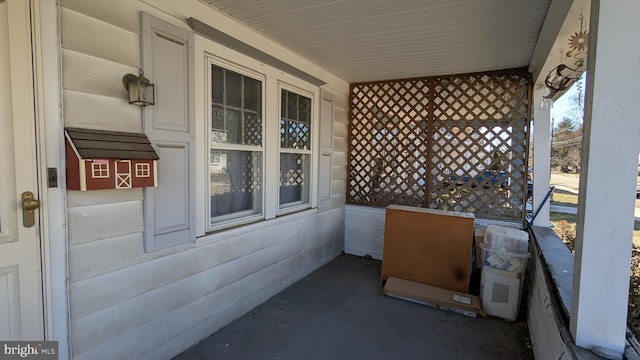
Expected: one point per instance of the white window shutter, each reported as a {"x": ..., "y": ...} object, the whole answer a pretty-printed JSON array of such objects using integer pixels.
[
  {"x": 167, "y": 61},
  {"x": 326, "y": 150}
]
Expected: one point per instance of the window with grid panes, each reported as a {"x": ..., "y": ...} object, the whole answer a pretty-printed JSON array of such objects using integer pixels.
[
  {"x": 236, "y": 147},
  {"x": 142, "y": 170},
  {"x": 100, "y": 170},
  {"x": 295, "y": 148}
]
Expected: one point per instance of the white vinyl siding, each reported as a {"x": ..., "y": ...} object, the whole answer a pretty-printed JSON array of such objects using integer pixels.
[
  {"x": 129, "y": 303},
  {"x": 364, "y": 231}
]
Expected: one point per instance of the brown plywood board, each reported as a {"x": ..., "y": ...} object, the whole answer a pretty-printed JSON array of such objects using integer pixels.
[{"x": 428, "y": 246}]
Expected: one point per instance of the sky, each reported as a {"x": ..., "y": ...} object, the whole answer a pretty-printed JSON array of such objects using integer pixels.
[{"x": 563, "y": 105}]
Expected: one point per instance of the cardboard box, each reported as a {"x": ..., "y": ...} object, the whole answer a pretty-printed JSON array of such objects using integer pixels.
[{"x": 454, "y": 301}]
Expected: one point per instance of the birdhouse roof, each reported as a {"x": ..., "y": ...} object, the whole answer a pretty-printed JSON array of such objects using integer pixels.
[{"x": 101, "y": 144}]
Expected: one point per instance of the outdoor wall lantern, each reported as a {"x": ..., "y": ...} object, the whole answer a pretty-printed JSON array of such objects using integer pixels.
[{"x": 141, "y": 90}]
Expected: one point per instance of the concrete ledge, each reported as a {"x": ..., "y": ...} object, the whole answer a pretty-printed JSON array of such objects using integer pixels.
[
  {"x": 547, "y": 327},
  {"x": 559, "y": 264},
  {"x": 550, "y": 282}
]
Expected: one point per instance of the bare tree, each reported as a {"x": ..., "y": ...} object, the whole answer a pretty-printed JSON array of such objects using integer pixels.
[{"x": 566, "y": 148}]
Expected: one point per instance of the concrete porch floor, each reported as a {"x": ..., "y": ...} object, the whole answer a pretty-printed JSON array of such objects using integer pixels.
[{"x": 337, "y": 312}]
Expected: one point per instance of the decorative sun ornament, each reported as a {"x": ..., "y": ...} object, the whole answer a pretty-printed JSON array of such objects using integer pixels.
[
  {"x": 578, "y": 44},
  {"x": 578, "y": 41}
]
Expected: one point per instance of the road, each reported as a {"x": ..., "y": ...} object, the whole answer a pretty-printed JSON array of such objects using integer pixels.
[
  {"x": 566, "y": 181},
  {"x": 570, "y": 183}
]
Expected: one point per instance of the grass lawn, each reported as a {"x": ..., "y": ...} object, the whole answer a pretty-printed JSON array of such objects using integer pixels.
[
  {"x": 574, "y": 175},
  {"x": 565, "y": 198},
  {"x": 567, "y": 222},
  {"x": 556, "y": 217}
]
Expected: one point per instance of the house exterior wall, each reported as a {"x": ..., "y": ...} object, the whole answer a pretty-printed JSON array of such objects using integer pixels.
[
  {"x": 364, "y": 231},
  {"x": 125, "y": 303}
]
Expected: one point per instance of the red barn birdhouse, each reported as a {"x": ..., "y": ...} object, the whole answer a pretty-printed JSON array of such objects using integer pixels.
[{"x": 98, "y": 159}]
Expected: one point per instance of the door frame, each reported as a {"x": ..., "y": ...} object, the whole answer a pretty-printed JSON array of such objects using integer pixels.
[{"x": 47, "y": 92}]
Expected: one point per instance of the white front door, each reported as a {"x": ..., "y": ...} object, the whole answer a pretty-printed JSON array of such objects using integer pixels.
[{"x": 21, "y": 301}]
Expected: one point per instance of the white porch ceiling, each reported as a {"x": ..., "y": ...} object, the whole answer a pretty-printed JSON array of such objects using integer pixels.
[{"x": 391, "y": 39}]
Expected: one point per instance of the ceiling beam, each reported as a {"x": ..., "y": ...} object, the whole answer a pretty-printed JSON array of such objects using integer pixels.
[{"x": 551, "y": 28}]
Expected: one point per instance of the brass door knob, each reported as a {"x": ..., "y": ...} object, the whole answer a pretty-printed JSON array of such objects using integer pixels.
[{"x": 29, "y": 204}]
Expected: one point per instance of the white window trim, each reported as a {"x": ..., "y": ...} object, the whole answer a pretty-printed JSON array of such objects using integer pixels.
[
  {"x": 299, "y": 205},
  {"x": 273, "y": 79},
  {"x": 143, "y": 170}
]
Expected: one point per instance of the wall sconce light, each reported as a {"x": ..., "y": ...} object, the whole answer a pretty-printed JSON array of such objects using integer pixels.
[{"x": 141, "y": 90}]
